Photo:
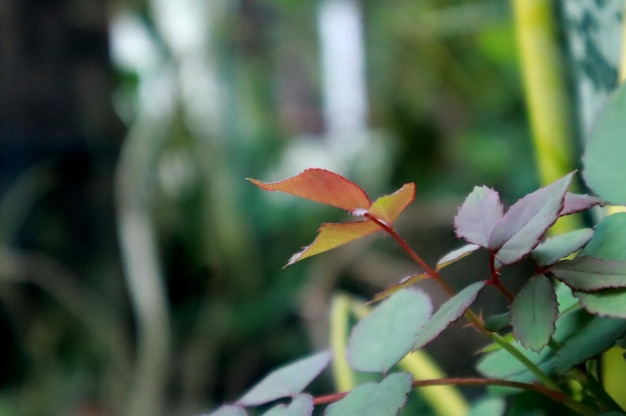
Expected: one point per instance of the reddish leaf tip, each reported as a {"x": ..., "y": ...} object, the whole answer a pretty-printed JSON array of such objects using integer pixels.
[{"x": 322, "y": 186}]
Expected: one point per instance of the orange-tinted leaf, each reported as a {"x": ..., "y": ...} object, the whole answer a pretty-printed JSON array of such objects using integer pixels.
[
  {"x": 321, "y": 186},
  {"x": 394, "y": 287},
  {"x": 389, "y": 207},
  {"x": 334, "y": 235}
]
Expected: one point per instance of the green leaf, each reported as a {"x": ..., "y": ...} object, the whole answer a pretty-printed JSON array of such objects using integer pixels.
[
  {"x": 498, "y": 322},
  {"x": 301, "y": 405},
  {"x": 604, "y": 168},
  {"x": 608, "y": 242},
  {"x": 479, "y": 213},
  {"x": 609, "y": 239},
  {"x": 520, "y": 230},
  {"x": 375, "y": 399},
  {"x": 386, "y": 335},
  {"x": 499, "y": 364},
  {"x": 555, "y": 248},
  {"x": 534, "y": 312},
  {"x": 565, "y": 297},
  {"x": 587, "y": 274},
  {"x": 609, "y": 302},
  {"x": 448, "y": 313},
  {"x": 228, "y": 410},
  {"x": 489, "y": 406},
  {"x": 286, "y": 381},
  {"x": 591, "y": 340},
  {"x": 456, "y": 255}
]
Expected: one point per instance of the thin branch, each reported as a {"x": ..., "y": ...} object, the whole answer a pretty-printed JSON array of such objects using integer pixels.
[
  {"x": 416, "y": 257},
  {"x": 433, "y": 273},
  {"x": 142, "y": 264},
  {"x": 553, "y": 395},
  {"x": 495, "y": 278}
]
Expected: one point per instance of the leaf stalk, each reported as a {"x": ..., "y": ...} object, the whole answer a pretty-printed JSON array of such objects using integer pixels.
[
  {"x": 495, "y": 278},
  {"x": 434, "y": 274}
]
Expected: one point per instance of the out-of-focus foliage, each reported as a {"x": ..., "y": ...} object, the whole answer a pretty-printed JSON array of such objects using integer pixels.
[{"x": 445, "y": 84}]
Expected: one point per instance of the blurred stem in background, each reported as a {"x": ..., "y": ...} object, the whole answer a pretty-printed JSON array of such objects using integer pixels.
[
  {"x": 142, "y": 267},
  {"x": 547, "y": 98}
]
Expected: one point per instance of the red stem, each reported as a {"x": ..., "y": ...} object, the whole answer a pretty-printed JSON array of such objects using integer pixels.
[
  {"x": 495, "y": 278},
  {"x": 469, "y": 381},
  {"x": 329, "y": 398},
  {"x": 476, "y": 320},
  {"x": 429, "y": 270}
]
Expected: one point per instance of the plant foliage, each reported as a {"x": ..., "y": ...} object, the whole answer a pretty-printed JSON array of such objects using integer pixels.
[
  {"x": 571, "y": 309},
  {"x": 389, "y": 333}
]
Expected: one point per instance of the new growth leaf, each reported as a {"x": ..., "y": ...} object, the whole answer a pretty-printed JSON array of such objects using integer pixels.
[{"x": 332, "y": 189}]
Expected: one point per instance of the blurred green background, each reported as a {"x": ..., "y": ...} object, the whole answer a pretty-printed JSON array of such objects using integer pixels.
[{"x": 141, "y": 274}]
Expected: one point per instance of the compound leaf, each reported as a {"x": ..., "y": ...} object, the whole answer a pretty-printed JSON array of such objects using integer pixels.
[
  {"x": 332, "y": 189},
  {"x": 555, "y": 248},
  {"x": 448, "y": 313},
  {"x": 388, "y": 333},
  {"x": 524, "y": 224},
  {"x": 533, "y": 313},
  {"x": 375, "y": 399},
  {"x": 387, "y": 208},
  {"x": 286, "y": 381},
  {"x": 587, "y": 274},
  {"x": 301, "y": 405},
  {"x": 321, "y": 186},
  {"x": 478, "y": 215}
]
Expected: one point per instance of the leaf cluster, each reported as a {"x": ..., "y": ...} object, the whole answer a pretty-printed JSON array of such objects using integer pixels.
[{"x": 571, "y": 309}]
